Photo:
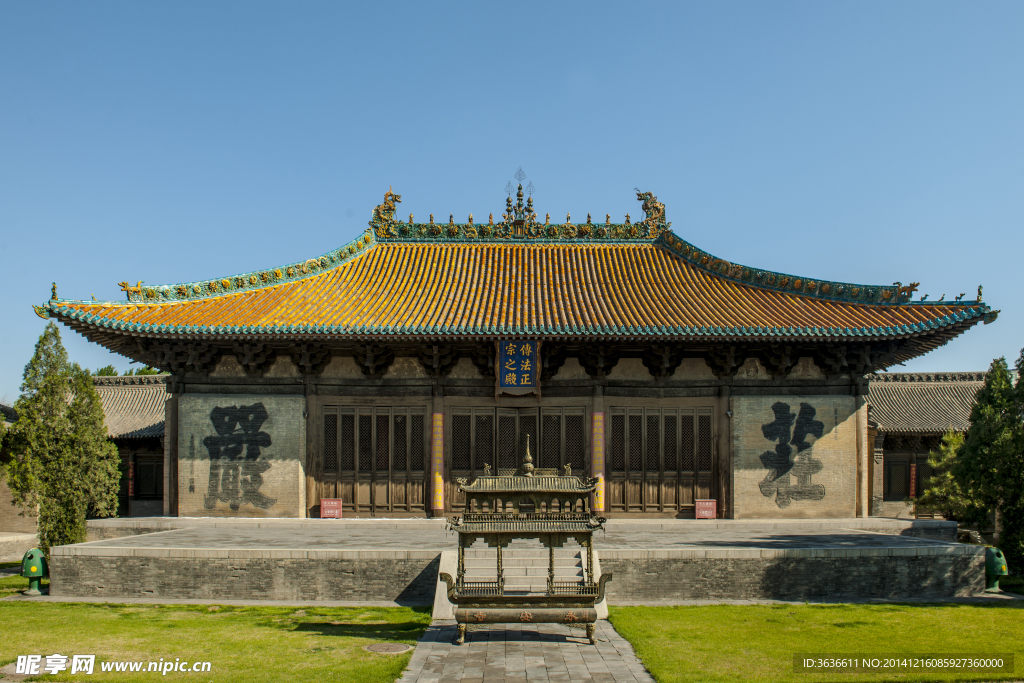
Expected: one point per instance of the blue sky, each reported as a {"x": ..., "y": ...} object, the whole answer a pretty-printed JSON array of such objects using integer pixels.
[{"x": 863, "y": 141}]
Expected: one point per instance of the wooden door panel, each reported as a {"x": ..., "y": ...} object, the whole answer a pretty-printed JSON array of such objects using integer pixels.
[
  {"x": 345, "y": 488},
  {"x": 669, "y": 495},
  {"x": 399, "y": 499},
  {"x": 686, "y": 491},
  {"x": 651, "y": 499},
  {"x": 381, "y": 499},
  {"x": 363, "y": 501},
  {"x": 634, "y": 494}
]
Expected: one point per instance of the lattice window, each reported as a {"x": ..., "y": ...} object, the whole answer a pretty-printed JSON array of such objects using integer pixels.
[
  {"x": 382, "y": 443},
  {"x": 552, "y": 446},
  {"x": 348, "y": 443},
  {"x": 461, "y": 446},
  {"x": 704, "y": 442},
  {"x": 507, "y": 441},
  {"x": 671, "y": 447},
  {"x": 617, "y": 452},
  {"x": 687, "y": 444},
  {"x": 636, "y": 442},
  {"x": 365, "y": 443},
  {"x": 330, "y": 443},
  {"x": 575, "y": 444},
  {"x": 483, "y": 446},
  {"x": 653, "y": 442},
  {"x": 401, "y": 443},
  {"x": 416, "y": 440}
]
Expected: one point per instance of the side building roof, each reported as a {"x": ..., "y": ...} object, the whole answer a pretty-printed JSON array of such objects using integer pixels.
[
  {"x": 923, "y": 403},
  {"x": 133, "y": 406}
]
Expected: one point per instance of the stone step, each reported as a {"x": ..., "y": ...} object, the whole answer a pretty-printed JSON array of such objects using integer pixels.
[
  {"x": 493, "y": 562},
  {"x": 523, "y": 571}
]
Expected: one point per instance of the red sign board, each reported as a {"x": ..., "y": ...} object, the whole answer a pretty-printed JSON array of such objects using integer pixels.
[
  {"x": 707, "y": 509},
  {"x": 913, "y": 480},
  {"x": 330, "y": 508}
]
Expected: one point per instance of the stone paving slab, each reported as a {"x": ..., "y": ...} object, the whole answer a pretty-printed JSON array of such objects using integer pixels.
[
  {"x": 516, "y": 653},
  {"x": 396, "y": 535}
]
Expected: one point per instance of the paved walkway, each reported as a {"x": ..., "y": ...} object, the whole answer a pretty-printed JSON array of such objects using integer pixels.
[{"x": 511, "y": 653}]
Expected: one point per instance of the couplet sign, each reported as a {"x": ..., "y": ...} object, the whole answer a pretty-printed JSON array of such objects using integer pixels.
[{"x": 517, "y": 368}]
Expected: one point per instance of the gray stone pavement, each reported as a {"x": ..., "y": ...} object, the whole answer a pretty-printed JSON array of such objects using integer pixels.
[
  {"x": 514, "y": 653},
  {"x": 423, "y": 535}
]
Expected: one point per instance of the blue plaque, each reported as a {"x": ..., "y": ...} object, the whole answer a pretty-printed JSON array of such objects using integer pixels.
[{"x": 517, "y": 367}]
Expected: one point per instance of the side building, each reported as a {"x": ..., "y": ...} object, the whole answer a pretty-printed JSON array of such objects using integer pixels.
[
  {"x": 382, "y": 373},
  {"x": 910, "y": 411}
]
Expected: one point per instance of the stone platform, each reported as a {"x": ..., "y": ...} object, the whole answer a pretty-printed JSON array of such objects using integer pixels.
[
  {"x": 654, "y": 561},
  {"x": 14, "y": 545}
]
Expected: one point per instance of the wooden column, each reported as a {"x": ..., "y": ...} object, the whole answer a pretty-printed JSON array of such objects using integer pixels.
[
  {"x": 312, "y": 451},
  {"x": 723, "y": 462},
  {"x": 862, "y": 507},
  {"x": 170, "y": 507},
  {"x": 437, "y": 479}
]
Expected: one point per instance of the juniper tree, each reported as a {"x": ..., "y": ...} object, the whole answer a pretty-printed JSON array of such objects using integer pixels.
[
  {"x": 57, "y": 453},
  {"x": 992, "y": 462}
]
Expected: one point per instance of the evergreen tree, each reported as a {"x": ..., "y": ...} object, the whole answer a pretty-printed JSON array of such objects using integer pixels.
[
  {"x": 945, "y": 494},
  {"x": 58, "y": 455},
  {"x": 992, "y": 464},
  {"x": 141, "y": 371},
  {"x": 107, "y": 371}
]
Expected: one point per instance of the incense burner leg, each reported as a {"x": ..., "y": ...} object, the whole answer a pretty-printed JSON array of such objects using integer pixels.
[
  {"x": 462, "y": 563},
  {"x": 460, "y": 638},
  {"x": 501, "y": 572},
  {"x": 590, "y": 633}
]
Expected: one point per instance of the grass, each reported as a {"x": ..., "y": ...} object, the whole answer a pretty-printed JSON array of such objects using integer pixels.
[
  {"x": 758, "y": 642},
  {"x": 11, "y": 584},
  {"x": 244, "y": 644},
  {"x": 1014, "y": 584}
]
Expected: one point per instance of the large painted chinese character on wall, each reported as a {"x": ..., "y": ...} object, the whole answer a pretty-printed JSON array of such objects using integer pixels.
[
  {"x": 241, "y": 456},
  {"x": 794, "y": 456},
  {"x": 517, "y": 371}
]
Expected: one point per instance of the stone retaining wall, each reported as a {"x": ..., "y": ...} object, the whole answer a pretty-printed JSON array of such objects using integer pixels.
[
  {"x": 407, "y": 578},
  {"x": 750, "y": 574}
]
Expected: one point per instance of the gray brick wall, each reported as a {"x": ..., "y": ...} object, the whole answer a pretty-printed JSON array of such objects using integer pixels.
[
  {"x": 653, "y": 579},
  {"x": 407, "y": 581}
]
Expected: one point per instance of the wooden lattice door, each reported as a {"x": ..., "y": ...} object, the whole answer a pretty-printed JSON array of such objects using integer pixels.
[
  {"x": 659, "y": 459},
  {"x": 374, "y": 458},
  {"x": 498, "y": 437}
]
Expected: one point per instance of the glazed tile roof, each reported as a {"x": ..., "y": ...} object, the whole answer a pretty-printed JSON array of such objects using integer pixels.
[
  {"x": 413, "y": 289},
  {"x": 133, "y": 407},
  {"x": 914, "y": 403},
  {"x": 520, "y": 277}
]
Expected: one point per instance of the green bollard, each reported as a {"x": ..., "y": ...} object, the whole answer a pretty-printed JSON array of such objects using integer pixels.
[
  {"x": 995, "y": 566},
  {"x": 33, "y": 567}
]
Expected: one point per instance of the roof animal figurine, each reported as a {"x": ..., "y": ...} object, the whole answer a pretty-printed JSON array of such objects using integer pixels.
[{"x": 383, "y": 221}]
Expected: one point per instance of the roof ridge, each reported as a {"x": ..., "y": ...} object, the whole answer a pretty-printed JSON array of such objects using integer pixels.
[
  {"x": 129, "y": 380},
  {"x": 968, "y": 376}
]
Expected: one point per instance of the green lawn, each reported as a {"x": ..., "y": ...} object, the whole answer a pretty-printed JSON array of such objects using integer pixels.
[
  {"x": 758, "y": 642},
  {"x": 245, "y": 644}
]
